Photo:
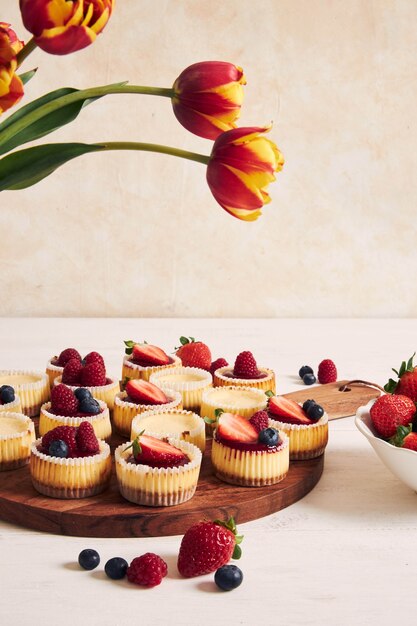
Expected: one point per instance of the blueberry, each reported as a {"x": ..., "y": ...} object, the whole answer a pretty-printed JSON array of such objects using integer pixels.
[
  {"x": 315, "y": 412},
  {"x": 306, "y": 369},
  {"x": 90, "y": 406},
  {"x": 58, "y": 448},
  {"x": 7, "y": 394},
  {"x": 116, "y": 567},
  {"x": 88, "y": 558},
  {"x": 228, "y": 577},
  {"x": 307, "y": 404},
  {"x": 81, "y": 393},
  {"x": 269, "y": 437},
  {"x": 309, "y": 379}
]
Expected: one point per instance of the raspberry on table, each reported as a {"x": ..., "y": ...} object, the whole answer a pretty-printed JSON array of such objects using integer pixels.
[
  {"x": 260, "y": 420},
  {"x": 72, "y": 372},
  {"x": 147, "y": 570},
  {"x": 245, "y": 366},
  {"x": 63, "y": 401},
  {"x": 327, "y": 372}
]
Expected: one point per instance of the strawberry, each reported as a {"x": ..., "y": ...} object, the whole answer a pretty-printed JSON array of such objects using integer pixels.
[
  {"x": 327, "y": 372},
  {"x": 406, "y": 385},
  {"x": 259, "y": 420},
  {"x": 206, "y": 546},
  {"x": 236, "y": 428},
  {"x": 72, "y": 372},
  {"x": 217, "y": 364},
  {"x": 63, "y": 401},
  {"x": 64, "y": 433},
  {"x": 245, "y": 366},
  {"x": 144, "y": 392},
  {"x": 194, "y": 353},
  {"x": 390, "y": 411},
  {"x": 155, "y": 452},
  {"x": 86, "y": 439},
  {"x": 93, "y": 357},
  {"x": 287, "y": 410},
  {"x": 93, "y": 375},
  {"x": 146, "y": 353},
  {"x": 66, "y": 355},
  {"x": 405, "y": 438}
]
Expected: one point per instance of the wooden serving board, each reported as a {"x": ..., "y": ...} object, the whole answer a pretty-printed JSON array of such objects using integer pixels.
[
  {"x": 335, "y": 402},
  {"x": 110, "y": 515}
]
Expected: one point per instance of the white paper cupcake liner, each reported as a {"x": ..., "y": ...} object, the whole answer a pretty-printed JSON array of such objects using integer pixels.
[
  {"x": 307, "y": 441},
  {"x": 100, "y": 422},
  {"x": 53, "y": 371},
  {"x": 132, "y": 370},
  {"x": 13, "y": 407},
  {"x": 15, "y": 447},
  {"x": 124, "y": 411},
  {"x": 195, "y": 435},
  {"x": 33, "y": 394}
]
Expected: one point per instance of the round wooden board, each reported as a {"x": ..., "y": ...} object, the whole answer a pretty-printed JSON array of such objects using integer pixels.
[{"x": 110, "y": 515}]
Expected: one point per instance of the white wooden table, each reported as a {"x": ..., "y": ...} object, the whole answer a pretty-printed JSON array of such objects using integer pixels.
[{"x": 344, "y": 555}]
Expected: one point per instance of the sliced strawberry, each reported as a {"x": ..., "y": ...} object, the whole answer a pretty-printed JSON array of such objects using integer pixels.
[
  {"x": 147, "y": 353},
  {"x": 288, "y": 410},
  {"x": 143, "y": 391},
  {"x": 158, "y": 453},
  {"x": 236, "y": 428}
]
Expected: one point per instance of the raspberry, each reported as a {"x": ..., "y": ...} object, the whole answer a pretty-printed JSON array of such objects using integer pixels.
[
  {"x": 327, "y": 372},
  {"x": 216, "y": 364},
  {"x": 93, "y": 357},
  {"x": 65, "y": 433},
  {"x": 93, "y": 375},
  {"x": 147, "y": 570},
  {"x": 71, "y": 373},
  {"x": 259, "y": 420},
  {"x": 86, "y": 439},
  {"x": 245, "y": 366},
  {"x": 63, "y": 401},
  {"x": 68, "y": 354}
]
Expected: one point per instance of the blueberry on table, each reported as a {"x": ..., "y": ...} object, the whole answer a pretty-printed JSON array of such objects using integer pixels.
[
  {"x": 58, "y": 448},
  {"x": 269, "y": 437},
  {"x": 89, "y": 405},
  {"x": 88, "y": 558},
  {"x": 309, "y": 379},
  {"x": 116, "y": 567},
  {"x": 307, "y": 404},
  {"x": 306, "y": 369},
  {"x": 315, "y": 412},
  {"x": 81, "y": 393},
  {"x": 7, "y": 394},
  {"x": 228, "y": 577}
]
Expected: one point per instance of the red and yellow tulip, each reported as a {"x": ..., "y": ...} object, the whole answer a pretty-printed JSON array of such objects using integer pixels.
[
  {"x": 208, "y": 97},
  {"x": 11, "y": 87},
  {"x": 241, "y": 166},
  {"x": 64, "y": 26}
]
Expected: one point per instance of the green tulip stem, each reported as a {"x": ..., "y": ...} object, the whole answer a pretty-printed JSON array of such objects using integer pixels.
[
  {"x": 25, "y": 51},
  {"x": 152, "y": 147}
]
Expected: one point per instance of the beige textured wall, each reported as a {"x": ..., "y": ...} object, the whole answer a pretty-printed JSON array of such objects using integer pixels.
[{"x": 135, "y": 234}]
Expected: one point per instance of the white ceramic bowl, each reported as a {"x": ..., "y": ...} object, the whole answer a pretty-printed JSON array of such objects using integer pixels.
[{"x": 401, "y": 462}]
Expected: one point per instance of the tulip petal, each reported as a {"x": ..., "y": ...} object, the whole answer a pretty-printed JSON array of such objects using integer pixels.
[
  {"x": 14, "y": 94},
  {"x": 63, "y": 40},
  {"x": 227, "y": 185},
  {"x": 208, "y": 75}
]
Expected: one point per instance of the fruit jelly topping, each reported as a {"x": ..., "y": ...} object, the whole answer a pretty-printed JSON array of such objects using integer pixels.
[{"x": 230, "y": 374}]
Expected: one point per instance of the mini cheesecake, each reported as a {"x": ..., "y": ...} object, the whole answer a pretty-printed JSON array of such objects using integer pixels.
[
  {"x": 31, "y": 387},
  {"x": 144, "y": 359},
  {"x": 153, "y": 485},
  {"x": 171, "y": 423},
  {"x": 239, "y": 457},
  {"x": 190, "y": 382},
  {"x": 106, "y": 393},
  {"x": 49, "y": 419},
  {"x": 11, "y": 407},
  {"x": 244, "y": 401},
  {"x": 224, "y": 377},
  {"x": 53, "y": 370},
  {"x": 17, "y": 433}
]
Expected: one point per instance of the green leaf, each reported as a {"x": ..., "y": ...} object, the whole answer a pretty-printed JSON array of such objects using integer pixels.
[
  {"x": 218, "y": 412},
  {"x": 27, "y": 76},
  {"x": 62, "y": 113},
  {"x": 237, "y": 552},
  {"x": 27, "y": 167},
  {"x": 269, "y": 393},
  {"x": 391, "y": 386},
  {"x": 402, "y": 432},
  {"x": 410, "y": 366},
  {"x": 184, "y": 341}
]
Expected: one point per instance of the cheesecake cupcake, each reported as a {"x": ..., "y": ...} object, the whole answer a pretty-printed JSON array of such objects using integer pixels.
[
  {"x": 306, "y": 426},
  {"x": 144, "y": 359},
  {"x": 140, "y": 396},
  {"x": 244, "y": 401},
  {"x": 9, "y": 401},
  {"x": 245, "y": 373},
  {"x": 17, "y": 433},
  {"x": 155, "y": 472},
  {"x": 190, "y": 382},
  {"x": 69, "y": 408},
  {"x": 241, "y": 455},
  {"x": 31, "y": 387},
  {"x": 70, "y": 462},
  {"x": 56, "y": 364},
  {"x": 171, "y": 423}
]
